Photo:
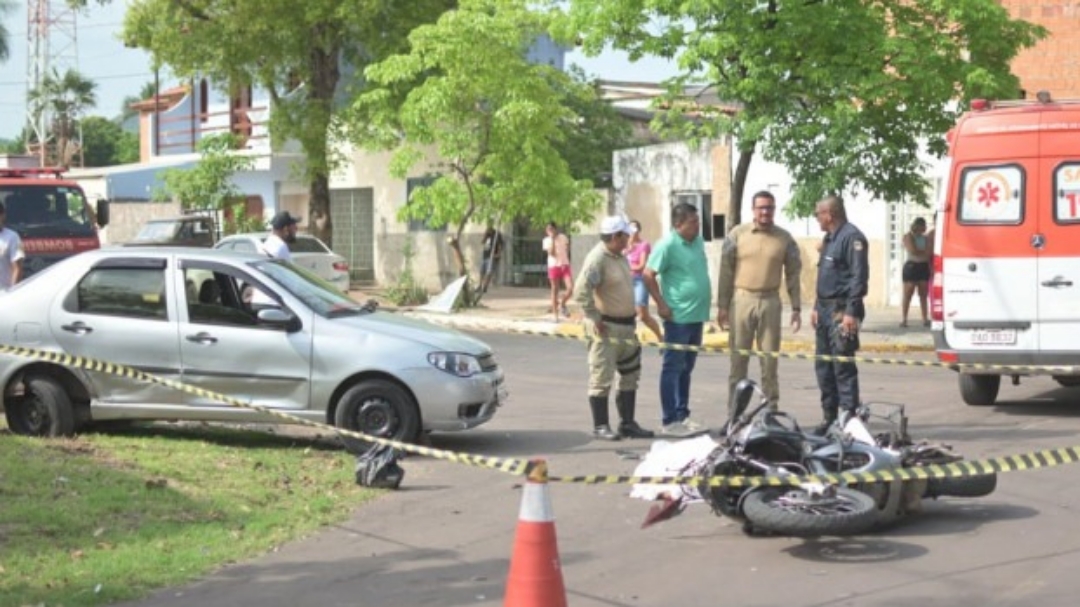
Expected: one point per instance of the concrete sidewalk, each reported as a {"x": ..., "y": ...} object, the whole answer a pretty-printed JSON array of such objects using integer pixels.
[{"x": 525, "y": 310}]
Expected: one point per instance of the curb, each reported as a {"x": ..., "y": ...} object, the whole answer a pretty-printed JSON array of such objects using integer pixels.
[{"x": 573, "y": 330}]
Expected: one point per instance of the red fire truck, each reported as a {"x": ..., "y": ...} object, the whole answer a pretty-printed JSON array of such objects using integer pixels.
[{"x": 50, "y": 214}]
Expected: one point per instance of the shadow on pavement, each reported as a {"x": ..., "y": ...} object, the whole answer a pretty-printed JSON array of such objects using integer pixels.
[
  {"x": 954, "y": 516},
  {"x": 856, "y": 551}
]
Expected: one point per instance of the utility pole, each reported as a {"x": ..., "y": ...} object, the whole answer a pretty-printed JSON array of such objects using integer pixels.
[{"x": 52, "y": 50}]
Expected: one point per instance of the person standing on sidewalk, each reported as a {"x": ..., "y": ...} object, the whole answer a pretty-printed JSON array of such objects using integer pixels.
[
  {"x": 637, "y": 254},
  {"x": 557, "y": 246},
  {"x": 843, "y": 274},
  {"x": 677, "y": 277},
  {"x": 755, "y": 257},
  {"x": 606, "y": 294},
  {"x": 11, "y": 254}
]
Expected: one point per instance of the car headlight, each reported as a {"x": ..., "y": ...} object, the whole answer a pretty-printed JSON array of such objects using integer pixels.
[{"x": 456, "y": 363}]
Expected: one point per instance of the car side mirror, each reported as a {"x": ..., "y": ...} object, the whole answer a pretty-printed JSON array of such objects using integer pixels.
[
  {"x": 276, "y": 317},
  {"x": 102, "y": 212}
]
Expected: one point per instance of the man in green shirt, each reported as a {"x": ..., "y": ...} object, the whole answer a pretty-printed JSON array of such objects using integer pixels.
[{"x": 683, "y": 296}]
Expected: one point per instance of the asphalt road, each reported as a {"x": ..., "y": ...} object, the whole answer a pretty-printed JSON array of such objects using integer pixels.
[{"x": 446, "y": 537}]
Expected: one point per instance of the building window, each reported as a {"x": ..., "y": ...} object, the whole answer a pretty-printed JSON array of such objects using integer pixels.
[
  {"x": 416, "y": 183},
  {"x": 702, "y": 201}
]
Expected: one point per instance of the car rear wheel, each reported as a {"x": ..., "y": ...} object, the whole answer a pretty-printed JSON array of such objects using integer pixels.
[
  {"x": 378, "y": 408},
  {"x": 45, "y": 409},
  {"x": 979, "y": 390}
]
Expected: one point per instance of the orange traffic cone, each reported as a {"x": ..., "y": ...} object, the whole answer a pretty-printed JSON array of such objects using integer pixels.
[{"x": 535, "y": 578}]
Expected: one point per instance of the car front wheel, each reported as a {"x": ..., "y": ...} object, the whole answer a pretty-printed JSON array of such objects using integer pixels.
[
  {"x": 378, "y": 408},
  {"x": 44, "y": 409}
]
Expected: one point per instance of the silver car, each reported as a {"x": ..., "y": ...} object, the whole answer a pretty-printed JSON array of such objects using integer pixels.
[
  {"x": 306, "y": 251},
  {"x": 179, "y": 313}
]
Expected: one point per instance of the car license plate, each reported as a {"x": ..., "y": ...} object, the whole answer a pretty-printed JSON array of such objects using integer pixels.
[{"x": 993, "y": 337}]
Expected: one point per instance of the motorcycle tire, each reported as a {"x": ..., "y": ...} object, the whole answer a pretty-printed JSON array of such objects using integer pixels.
[
  {"x": 791, "y": 511},
  {"x": 961, "y": 486}
]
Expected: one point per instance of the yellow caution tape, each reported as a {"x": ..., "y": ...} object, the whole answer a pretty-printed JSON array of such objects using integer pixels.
[
  {"x": 512, "y": 466},
  {"x": 1058, "y": 369},
  {"x": 1025, "y": 461}
]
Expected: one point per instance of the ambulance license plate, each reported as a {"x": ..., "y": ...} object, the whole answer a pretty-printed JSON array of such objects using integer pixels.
[{"x": 993, "y": 337}]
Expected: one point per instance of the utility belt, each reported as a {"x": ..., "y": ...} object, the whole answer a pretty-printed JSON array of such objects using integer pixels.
[
  {"x": 764, "y": 294},
  {"x": 619, "y": 320}
]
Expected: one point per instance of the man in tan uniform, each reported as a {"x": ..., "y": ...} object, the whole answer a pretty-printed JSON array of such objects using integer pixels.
[
  {"x": 754, "y": 256},
  {"x": 605, "y": 291}
]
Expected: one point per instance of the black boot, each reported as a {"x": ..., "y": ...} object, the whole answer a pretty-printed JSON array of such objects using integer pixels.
[
  {"x": 601, "y": 427},
  {"x": 826, "y": 423},
  {"x": 625, "y": 402}
]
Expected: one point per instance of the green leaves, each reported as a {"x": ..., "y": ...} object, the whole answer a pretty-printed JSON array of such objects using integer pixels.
[
  {"x": 842, "y": 93},
  {"x": 208, "y": 185},
  {"x": 465, "y": 93}
]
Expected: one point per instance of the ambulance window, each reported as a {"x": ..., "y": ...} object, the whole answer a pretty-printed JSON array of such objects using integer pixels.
[
  {"x": 1067, "y": 193},
  {"x": 992, "y": 195}
]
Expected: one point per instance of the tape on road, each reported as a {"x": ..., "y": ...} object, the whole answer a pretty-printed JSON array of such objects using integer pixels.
[
  {"x": 520, "y": 467},
  {"x": 877, "y": 360}
]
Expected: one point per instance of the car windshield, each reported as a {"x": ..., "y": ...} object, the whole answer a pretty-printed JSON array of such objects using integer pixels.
[
  {"x": 321, "y": 296},
  {"x": 40, "y": 211}
]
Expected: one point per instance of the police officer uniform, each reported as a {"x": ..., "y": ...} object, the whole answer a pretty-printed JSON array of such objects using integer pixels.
[
  {"x": 843, "y": 272},
  {"x": 605, "y": 291}
]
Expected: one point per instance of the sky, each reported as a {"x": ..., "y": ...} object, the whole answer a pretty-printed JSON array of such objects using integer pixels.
[{"x": 121, "y": 72}]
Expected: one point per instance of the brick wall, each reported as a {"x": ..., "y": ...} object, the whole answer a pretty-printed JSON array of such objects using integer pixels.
[{"x": 1053, "y": 64}]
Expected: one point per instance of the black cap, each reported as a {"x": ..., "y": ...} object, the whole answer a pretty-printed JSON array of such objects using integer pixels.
[{"x": 283, "y": 220}]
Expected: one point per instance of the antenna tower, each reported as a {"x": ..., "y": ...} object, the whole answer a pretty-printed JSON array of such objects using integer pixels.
[{"x": 52, "y": 50}]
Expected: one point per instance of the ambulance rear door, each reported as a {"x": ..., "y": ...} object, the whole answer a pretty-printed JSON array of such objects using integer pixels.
[{"x": 989, "y": 300}]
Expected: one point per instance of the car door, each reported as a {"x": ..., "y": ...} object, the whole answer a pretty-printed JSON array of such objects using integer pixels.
[
  {"x": 120, "y": 311},
  {"x": 224, "y": 349},
  {"x": 1058, "y": 246}
]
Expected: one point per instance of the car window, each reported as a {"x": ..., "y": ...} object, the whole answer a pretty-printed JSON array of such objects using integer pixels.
[
  {"x": 244, "y": 246},
  {"x": 307, "y": 244},
  {"x": 218, "y": 296},
  {"x": 117, "y": 291}
]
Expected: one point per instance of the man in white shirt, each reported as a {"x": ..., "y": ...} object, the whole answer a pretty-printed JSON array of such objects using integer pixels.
[
  {"x": 11, "y": 254},
  {"x": 277, "y": 243}
]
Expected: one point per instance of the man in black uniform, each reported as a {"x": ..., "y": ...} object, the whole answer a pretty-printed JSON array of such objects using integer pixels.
[{"x": 843, "y": 272}]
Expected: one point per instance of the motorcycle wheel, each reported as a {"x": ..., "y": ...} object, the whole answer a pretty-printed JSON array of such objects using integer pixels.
[
  {"x": 793, "y": 511},
  {"x": 961, "y": 486}
]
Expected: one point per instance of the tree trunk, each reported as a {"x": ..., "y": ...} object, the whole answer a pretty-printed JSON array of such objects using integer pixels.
[
  {"x": 738, "y": 185},
  {"x": 315, "y": 131}
]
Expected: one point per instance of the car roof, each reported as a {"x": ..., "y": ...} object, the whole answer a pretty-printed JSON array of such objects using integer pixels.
[{"x": 188, "y": 252}]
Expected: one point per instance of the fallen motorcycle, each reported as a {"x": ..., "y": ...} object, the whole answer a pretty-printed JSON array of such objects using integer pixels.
[{"x": 766, "y": 442}]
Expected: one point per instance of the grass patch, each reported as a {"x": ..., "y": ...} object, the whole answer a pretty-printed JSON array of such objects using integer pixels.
[{"x": 108, "y": 517}]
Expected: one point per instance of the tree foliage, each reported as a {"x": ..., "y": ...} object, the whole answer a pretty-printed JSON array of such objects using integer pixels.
[
  {"x": 494, "y": 119},
  {"x": 301, "y": 53},
  {"x": 106, "y": 144},
  {"x": 597, "y": 129},
  {"x": 6, "y": 6},
  {"x": 841, "y": 93},
  {"x": 65, "y": 96},
  {"x": 208, "y": 185}
]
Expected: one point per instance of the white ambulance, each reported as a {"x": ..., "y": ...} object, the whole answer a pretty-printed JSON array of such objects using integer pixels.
[{"x": 1005, "y": 290}]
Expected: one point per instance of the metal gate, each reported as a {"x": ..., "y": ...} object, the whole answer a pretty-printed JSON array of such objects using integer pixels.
[{"x": 352, "y": 212}]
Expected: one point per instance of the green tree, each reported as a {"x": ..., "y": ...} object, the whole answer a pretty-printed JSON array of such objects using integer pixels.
[
  {"x": 208, "y": 185},
  {"x": 66, "y": 96},
  {"x": 841, "y": 93},
  {"x": 146, "y": 92},
  {"x": 301, "y": 53},
  {"x": 495, "y": 119},
  {"x": 6, "y": 6},
  {"x": 596, "y": 131},
  {"x": 106, "y": 144}
]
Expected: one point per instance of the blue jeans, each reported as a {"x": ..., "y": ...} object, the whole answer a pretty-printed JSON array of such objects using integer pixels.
[{"x": 675, "y": 372}]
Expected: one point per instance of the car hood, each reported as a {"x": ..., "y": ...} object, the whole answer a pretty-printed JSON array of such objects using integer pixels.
[{"x": 437, "y": 337}]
